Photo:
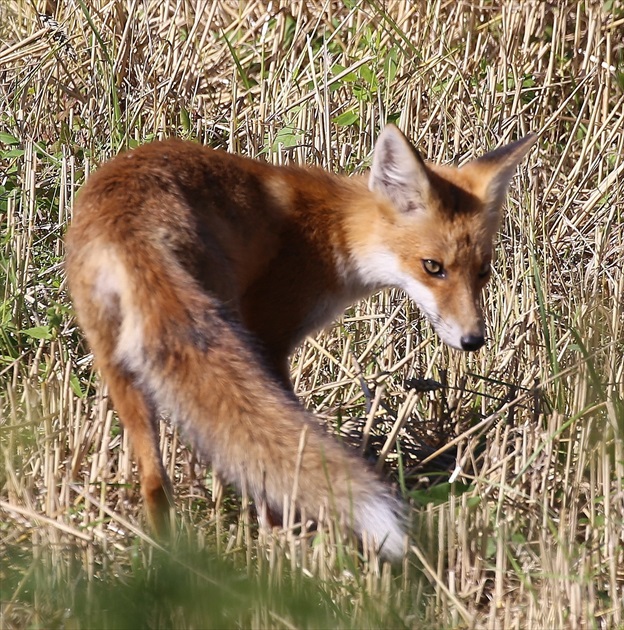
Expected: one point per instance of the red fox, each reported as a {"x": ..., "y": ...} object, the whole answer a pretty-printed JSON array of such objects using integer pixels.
[{"x": 195, "y": 273}]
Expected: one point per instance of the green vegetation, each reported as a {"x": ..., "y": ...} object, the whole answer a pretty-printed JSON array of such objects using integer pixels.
[{"x": 531, "y": 532}]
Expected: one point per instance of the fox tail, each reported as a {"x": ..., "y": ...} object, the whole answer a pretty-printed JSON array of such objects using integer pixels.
[{"x": 165, "y": 343}]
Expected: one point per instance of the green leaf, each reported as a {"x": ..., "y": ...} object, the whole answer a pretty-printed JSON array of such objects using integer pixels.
[
  {"x": 13, "y": 153},
  {"x": 390, "y": 65},
  {"x": 474, "y": 502},
  {"x": 369, "y": 76},
  {"x": 185, "y": 118},
  {"x": 350, "y": 77},
  {"x": 287, "y": 137},
  {"x": 241, "y": 73},
  {"x": 346, "y": 118},
  {"x": 7, "y": 138},
  {"x": 74, "y": 383},
  {"x": 439, "y": 493},
  {"x": 38, "y": 332}
]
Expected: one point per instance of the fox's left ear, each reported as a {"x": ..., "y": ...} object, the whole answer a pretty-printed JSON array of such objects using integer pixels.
[{"x": 495, "y": 169}]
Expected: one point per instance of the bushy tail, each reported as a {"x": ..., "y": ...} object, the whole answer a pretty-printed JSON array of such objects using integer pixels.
[{"x": 188, "y": 354}]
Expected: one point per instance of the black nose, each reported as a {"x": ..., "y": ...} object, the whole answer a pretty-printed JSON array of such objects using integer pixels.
[{"x": 472, "y": 342}]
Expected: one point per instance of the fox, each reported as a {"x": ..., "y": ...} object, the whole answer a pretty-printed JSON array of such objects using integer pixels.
[{"x": 195, "y": 273}]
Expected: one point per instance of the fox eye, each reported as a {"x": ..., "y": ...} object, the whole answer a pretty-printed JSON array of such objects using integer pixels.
[
  {"x": 485, "y": 270},
  {"x": 433, "y": 267}
]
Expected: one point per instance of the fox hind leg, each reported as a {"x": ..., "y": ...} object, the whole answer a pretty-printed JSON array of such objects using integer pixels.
[
  {"x": 139, "y": 420},
  {"x": 97, "y": 281}
]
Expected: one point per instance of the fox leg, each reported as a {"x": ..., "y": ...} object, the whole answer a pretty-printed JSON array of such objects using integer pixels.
[
  {"x": 277, "y": 361},
  {"x": 140, "y": 422},
  {"x": 281, "y": 370}
]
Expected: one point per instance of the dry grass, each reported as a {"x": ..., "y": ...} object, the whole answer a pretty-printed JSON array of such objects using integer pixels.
[{"x": 531, "y": 534}]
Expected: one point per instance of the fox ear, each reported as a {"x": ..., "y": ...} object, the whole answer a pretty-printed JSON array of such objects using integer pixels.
[
  {"x": 496, "y": 168},
  {"x": 398, "y": 172}
]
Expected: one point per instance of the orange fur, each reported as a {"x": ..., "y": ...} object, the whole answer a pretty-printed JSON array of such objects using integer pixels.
[{"x": 195, "y": 273}]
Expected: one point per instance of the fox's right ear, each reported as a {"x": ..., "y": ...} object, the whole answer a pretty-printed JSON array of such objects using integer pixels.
[{"x": 398, "y": 172}]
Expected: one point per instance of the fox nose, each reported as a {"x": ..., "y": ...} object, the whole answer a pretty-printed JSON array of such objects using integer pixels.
[{"x": 472, "y": 342}]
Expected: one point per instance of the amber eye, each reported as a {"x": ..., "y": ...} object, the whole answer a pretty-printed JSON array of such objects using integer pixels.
[
  {"x": 485, "y": 270},
  {"x": 433, "y": 267}
]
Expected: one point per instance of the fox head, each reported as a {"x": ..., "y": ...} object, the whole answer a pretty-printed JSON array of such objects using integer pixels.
[{"x": 435, "y": 231}]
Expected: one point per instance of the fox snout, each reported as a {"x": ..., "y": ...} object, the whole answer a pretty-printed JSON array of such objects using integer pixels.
[
  {"x": 472, "y": 341},
  {"x": 459, "y": 323},
  {"x": 472, "y": 336},
  {"x": 453, "y": 335}
]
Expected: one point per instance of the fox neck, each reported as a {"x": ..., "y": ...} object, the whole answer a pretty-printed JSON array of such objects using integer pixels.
[
  {"x": 377, "y": 267},
  {"x": 366, "y": 264}
]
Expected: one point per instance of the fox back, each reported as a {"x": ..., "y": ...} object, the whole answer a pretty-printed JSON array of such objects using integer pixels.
[{"x": 195, "y": 273}]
